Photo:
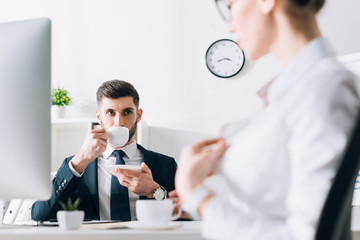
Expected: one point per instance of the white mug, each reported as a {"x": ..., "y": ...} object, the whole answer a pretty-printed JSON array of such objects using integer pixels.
[
  {"x": 118, "y": 136},
  {"x": 156, "y": 212}
]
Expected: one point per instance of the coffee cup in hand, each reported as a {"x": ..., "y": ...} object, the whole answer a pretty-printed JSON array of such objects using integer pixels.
[
  {"x": 156, "y": 212},
  {"x": 118, "y": 136}
]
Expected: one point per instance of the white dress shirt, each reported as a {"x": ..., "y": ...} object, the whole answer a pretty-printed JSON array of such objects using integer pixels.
[
  {"x": 133, "y": 156},
  {"x": 280, "y": 164}
]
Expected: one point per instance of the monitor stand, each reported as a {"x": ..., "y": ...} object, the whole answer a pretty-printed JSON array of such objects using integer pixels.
[{"x": 2, "y": 211}]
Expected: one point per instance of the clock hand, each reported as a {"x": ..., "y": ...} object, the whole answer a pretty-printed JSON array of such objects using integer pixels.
[{"x": 223, "y": 59}]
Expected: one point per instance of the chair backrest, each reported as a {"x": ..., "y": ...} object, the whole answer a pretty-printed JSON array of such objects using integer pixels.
[{"x": 334, "y": 222}]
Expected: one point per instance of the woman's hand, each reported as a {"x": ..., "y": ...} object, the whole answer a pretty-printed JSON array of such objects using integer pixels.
[
  {"x": 176, "y": 200},
  {"x": 197, "y": 162}
]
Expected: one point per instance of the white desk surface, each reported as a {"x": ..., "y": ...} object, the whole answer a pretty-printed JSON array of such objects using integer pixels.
[{"x": 188, "y": 231}]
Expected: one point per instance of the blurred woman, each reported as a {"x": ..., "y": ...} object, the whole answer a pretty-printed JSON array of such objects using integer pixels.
[{"x": 280, "y": 164}]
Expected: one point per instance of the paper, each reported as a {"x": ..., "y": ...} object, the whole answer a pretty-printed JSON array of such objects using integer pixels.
[{"x": 103, "y": 225}]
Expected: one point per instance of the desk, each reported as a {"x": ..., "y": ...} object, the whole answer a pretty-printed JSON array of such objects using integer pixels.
[{"x": 188, "y": 231}]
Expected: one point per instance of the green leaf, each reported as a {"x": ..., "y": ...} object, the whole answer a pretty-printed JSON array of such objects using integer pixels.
[
  {"x": 63, "y": 205},
  {"x": 76, "y": 203},
  {"x": 61, "y": 97},
  {"x": 70, "y": 206}
]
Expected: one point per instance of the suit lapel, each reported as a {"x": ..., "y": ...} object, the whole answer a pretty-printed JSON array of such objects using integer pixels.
[
  {"x": 91, "y": 180},
  {"x": 148, "y": 158}
]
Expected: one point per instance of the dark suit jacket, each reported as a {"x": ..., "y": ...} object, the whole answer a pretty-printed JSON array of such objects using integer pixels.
[{"x": 65, "y": 184}]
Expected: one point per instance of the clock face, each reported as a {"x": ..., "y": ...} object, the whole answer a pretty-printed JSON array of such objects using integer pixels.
[{"x": 224, "y": 58}]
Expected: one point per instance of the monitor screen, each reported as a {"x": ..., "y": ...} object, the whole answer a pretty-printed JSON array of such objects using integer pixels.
[{"x": 25, "y": 80}]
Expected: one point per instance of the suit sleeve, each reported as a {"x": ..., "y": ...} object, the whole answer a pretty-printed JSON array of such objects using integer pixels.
[
  {"x": 168, "y": 181},
  {"x": 164, "y": 171},
  {"x": 174, "y": 167},
  {"x": 63, "y": 185}
]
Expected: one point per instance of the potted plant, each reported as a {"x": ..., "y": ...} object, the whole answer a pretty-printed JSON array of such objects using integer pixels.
[
  {"x": 60, "y": 99},
  {"x": 70, "y": 218}
]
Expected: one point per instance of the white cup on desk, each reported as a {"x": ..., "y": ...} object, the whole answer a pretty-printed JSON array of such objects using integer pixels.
[{"x": 156, "y": 212}]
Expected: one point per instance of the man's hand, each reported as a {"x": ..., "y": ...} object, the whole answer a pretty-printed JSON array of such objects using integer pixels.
[
  {"x": 94, "y": 144},
  {"x": 140, "y": 183}
]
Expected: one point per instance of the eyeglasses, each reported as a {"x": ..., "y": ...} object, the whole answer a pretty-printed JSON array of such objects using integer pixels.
[{"x": 224, "y": 8}]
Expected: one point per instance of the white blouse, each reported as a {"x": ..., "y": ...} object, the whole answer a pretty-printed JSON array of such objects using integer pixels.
[{"x": 280, "y": 165}]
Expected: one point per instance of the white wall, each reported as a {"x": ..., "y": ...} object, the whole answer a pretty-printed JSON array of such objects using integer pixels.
[
  {"x": 352, "y": 61},
  {"x": 339, "y": 21},
  {"x": 159, "y": 46}
]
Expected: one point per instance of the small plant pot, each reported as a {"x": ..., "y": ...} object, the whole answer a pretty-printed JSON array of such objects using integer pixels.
[
  {"x": 58, "y": 112},
  {"x": 70, "y": 220}
]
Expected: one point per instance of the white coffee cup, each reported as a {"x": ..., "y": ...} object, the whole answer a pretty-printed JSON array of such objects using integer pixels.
[
  {"x": 118, "y": 136},
  {"x": 156, "y": 212}
]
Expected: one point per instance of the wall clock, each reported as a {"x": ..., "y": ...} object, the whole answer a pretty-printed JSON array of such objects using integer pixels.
[{"x": 224, "y": 58}]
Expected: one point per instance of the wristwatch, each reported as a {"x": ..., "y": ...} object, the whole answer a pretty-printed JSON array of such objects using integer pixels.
[{"x": 159, "y": 193}]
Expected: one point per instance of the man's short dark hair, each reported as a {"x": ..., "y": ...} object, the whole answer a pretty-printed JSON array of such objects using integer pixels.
[{"x": 116, "y": 89}]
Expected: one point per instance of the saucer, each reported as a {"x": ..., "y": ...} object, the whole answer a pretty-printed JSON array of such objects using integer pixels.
[
  {"x": 146, "y": 226},
  {"x": 129, "y": 167}
]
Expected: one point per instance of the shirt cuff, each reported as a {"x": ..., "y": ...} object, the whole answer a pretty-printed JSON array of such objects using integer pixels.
[
  {"x": 192, "y": 203},
  {"x": 73, "y": 171}
]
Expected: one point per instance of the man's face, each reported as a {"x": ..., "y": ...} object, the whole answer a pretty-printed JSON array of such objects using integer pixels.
[{"x": 120, "y": 112}]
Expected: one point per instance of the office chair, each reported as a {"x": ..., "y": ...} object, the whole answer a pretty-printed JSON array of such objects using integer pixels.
[{"x": 334, "y": 222}]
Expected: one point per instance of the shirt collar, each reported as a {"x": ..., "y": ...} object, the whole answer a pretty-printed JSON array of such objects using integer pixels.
[
  {"x": 262, "y": 93},
  {"x": 315, "y": 50},
  {"x": 130, "y": 150}
]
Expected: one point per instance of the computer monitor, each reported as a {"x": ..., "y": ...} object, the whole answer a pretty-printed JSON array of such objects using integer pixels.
[{"x": 25, "y": 80}]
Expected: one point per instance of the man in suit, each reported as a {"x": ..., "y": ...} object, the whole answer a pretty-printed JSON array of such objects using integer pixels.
[{"x": 109, "y": 195}]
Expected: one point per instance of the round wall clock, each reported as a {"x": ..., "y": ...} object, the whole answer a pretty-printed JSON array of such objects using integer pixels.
[{"x": 224, "y": 58}]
